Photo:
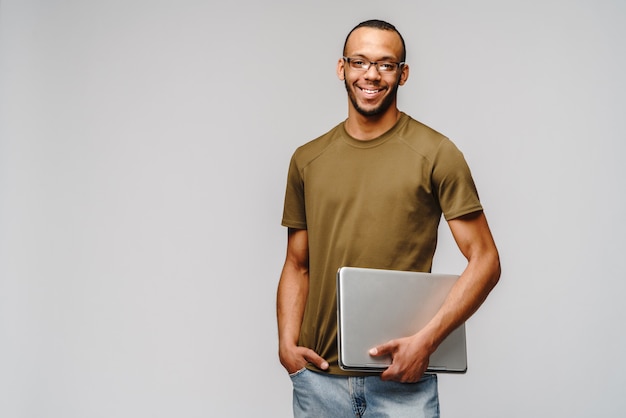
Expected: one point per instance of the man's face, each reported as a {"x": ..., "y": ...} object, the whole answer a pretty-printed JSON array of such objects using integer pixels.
[{"x": 371, "y": 92}]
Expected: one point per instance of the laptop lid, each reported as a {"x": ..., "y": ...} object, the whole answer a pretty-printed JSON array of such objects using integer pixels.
[{"x": 375, "y": 306}]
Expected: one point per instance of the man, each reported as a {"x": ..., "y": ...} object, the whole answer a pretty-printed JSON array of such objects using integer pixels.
[{"x": 370, "y": 193}]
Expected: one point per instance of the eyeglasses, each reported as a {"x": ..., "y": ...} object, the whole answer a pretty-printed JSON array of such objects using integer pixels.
[{"x": 361, "y": 64}]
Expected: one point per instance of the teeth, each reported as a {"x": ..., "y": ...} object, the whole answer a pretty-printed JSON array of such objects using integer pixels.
[{"x": 370, "y": 91}]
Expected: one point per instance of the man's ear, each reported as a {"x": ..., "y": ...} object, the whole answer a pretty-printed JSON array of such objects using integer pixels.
[
  {"x": 404, "y": 75},
  {"x": 341, "y": 69}
]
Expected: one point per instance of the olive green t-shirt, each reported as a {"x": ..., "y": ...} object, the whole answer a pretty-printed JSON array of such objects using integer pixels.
[{"x": 374, "y": 203}]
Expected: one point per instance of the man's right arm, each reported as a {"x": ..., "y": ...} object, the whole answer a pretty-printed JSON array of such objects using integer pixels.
[{"x": 291, "y": 298}]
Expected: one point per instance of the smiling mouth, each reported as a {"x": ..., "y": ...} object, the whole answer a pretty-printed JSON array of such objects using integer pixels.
[{"x": 370, "y": 91}]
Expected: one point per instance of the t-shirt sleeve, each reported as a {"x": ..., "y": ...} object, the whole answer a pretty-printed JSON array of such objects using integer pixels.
[
  {"x": 294, "y": 212},
  {"x": 453, "y": 183}
]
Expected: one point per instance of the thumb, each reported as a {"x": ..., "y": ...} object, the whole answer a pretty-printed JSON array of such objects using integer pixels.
[
  {"x": 316, "y": 360},
  {"x": 382, "y": 349}
]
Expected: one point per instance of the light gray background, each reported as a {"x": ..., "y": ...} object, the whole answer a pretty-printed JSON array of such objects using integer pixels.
[{"x": 143, "y": 153}]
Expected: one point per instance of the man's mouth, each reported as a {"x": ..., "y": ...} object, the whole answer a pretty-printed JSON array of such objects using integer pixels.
[{"x": 370, "y": 91}]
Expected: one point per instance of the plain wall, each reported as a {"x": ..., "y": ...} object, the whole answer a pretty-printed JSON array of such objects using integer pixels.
[{"x": 143, "y": 153}]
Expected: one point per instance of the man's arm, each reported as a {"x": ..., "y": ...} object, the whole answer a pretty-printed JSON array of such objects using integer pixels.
[
  {"x": 410, "y": 355},
  {"x": 291, "y": 298}
]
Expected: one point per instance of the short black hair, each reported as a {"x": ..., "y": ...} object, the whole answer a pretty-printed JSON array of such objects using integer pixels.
[{"x": 377, "y": 24}]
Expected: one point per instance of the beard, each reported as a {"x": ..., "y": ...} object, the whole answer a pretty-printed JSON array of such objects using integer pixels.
[{"x": 381, "y": 108}]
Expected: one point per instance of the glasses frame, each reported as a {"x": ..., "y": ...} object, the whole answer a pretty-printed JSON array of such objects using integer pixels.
[{"x": 367, "y": 64}]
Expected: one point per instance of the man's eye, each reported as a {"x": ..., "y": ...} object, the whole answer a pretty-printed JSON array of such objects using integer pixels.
[{"x": 386, "y": 66}]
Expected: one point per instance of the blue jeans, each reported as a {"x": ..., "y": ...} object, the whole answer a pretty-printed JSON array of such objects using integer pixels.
[{"x": 320, "y": 395}]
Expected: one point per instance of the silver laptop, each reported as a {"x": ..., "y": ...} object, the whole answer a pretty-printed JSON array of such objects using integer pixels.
[{"x": 375, "y": 306}]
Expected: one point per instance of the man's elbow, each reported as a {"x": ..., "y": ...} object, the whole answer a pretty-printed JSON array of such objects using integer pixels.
[{"x": 495, "y": 269}]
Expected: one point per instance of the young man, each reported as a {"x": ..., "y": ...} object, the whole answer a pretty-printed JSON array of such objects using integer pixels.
[{"x": 370, "y": 193}]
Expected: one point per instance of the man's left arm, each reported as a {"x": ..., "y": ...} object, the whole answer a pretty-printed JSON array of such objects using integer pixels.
[{"x": 410, "y": 355}]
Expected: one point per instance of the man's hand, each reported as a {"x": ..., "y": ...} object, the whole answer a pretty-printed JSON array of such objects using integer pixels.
[
  {"x": 295, "y": 358},
  {"x": 409, "y": 358}
]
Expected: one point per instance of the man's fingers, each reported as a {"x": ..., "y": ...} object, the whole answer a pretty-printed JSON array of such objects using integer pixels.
[
  {"x": 317, "y": 361},
  {"x": 381, "y": 350}
]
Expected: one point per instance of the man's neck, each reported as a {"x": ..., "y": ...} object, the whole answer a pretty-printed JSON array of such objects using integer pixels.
[{"x": 365, "y": 128}]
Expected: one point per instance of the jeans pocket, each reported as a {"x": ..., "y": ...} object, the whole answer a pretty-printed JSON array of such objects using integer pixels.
[{"x": 297, "y": 373}]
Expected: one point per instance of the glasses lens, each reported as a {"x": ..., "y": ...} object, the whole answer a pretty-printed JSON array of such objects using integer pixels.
[
  {"x": 358, "y": 64},
  {"x": 386, "y": 67}
]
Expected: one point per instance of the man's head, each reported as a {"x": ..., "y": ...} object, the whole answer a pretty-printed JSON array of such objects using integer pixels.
[
  {"x": 372, "y": 67},
  {"x": 381, "y": 25}
]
